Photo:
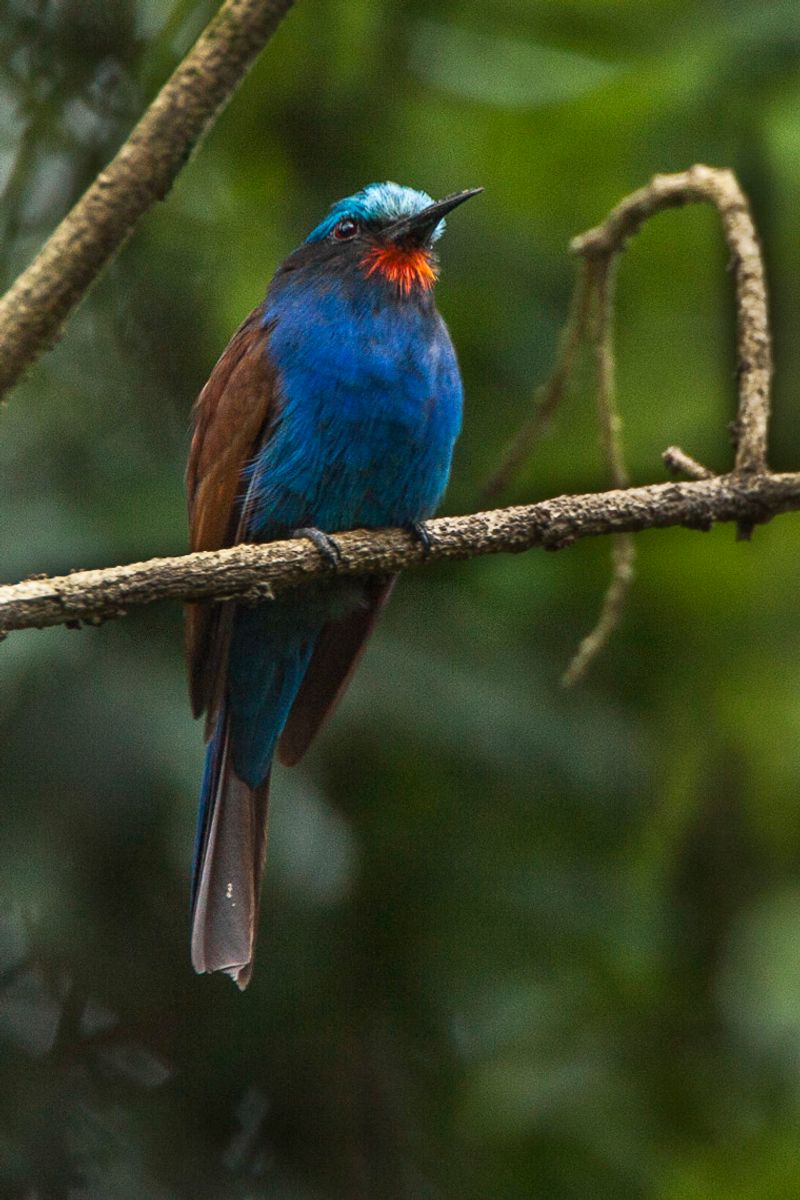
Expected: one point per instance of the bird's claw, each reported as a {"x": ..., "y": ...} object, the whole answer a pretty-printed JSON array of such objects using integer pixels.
[
  {"x": 323, "y": 542},
  {"x": 421, "y": 534}
]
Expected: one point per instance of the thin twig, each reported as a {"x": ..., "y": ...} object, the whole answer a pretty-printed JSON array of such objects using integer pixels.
[
  {"x": 623, "y": 552},
  {"x": 36, "y": 306},
  {"x": 623, "y": 555},
  {"x": 548, "y": 395},
  {"x": 602, "y": 333},
  {"x": 259, "y": 572},
  {"x": 678, "y": 462}
]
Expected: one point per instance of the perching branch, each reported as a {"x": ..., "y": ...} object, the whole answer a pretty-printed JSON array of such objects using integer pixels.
[
  {"x": 35, "y": 308},
  {"x": 253, "y": 573}
]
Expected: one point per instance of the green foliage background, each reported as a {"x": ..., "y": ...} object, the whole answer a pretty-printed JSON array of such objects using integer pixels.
[{"x": 515, "y": 942}]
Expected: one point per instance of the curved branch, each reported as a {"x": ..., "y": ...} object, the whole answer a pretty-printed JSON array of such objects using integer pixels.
[
  {"x": 719, "y": 187},
  {"x": 36, "y": 306},
  {"x": 259, "y": 572}
]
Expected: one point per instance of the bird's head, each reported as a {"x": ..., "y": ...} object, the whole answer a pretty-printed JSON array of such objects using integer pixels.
[{"x": 387, "y": 231}]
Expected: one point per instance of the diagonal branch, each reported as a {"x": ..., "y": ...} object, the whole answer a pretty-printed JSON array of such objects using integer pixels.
[
  {"x": 36, "y": 306},
  {"x": 260, "y": 572}
]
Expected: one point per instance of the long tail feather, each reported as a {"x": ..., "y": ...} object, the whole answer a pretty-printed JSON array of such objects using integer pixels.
[
  {"x": 265, "y": 669},
  {"x": 271, "y": 652},
  {"x": 229, "y": 863}
]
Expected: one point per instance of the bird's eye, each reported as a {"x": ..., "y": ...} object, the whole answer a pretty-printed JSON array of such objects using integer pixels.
[{"x": 345, "y": 229}]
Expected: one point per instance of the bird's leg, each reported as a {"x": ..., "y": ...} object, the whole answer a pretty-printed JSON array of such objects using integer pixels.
[
  {"x": 323, "y": 542},
  {"x": 420, "y": 532}
]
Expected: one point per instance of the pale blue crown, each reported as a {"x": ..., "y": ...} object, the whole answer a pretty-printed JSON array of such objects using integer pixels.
[{"x": 376, "y": 202}]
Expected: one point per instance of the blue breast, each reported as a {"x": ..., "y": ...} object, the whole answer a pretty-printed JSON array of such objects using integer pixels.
[{"x": 369, "y": 407}]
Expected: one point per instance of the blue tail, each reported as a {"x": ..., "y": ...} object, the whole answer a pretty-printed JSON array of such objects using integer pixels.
[{"x": 266, "y": 667}]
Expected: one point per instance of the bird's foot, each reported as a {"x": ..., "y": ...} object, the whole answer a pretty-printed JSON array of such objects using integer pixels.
[
  {"x": 323, "y": 542},
  {"x": 420, "y": 532}
]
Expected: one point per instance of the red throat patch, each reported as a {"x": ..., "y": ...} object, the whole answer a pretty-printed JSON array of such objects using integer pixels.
[{"x": 402, "y": 266}]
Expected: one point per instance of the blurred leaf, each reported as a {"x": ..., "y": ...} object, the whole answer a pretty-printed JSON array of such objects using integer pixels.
[{"x": 503, "y": 71}]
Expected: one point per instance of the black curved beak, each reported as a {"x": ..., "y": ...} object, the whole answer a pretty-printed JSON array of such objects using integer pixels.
[{"x": 417, "y": 230}]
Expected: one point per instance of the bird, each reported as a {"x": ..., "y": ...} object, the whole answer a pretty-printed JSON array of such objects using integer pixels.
[{"x": 336, "y": 405}]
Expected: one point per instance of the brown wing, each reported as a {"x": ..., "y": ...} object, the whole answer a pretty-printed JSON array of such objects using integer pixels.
[
  {"x": 230, "y": 417},
  {"x": 335, "y": 658}
]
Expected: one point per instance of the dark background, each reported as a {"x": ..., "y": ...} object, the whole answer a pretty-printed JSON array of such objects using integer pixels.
[{"x": 516, "y": 942}]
